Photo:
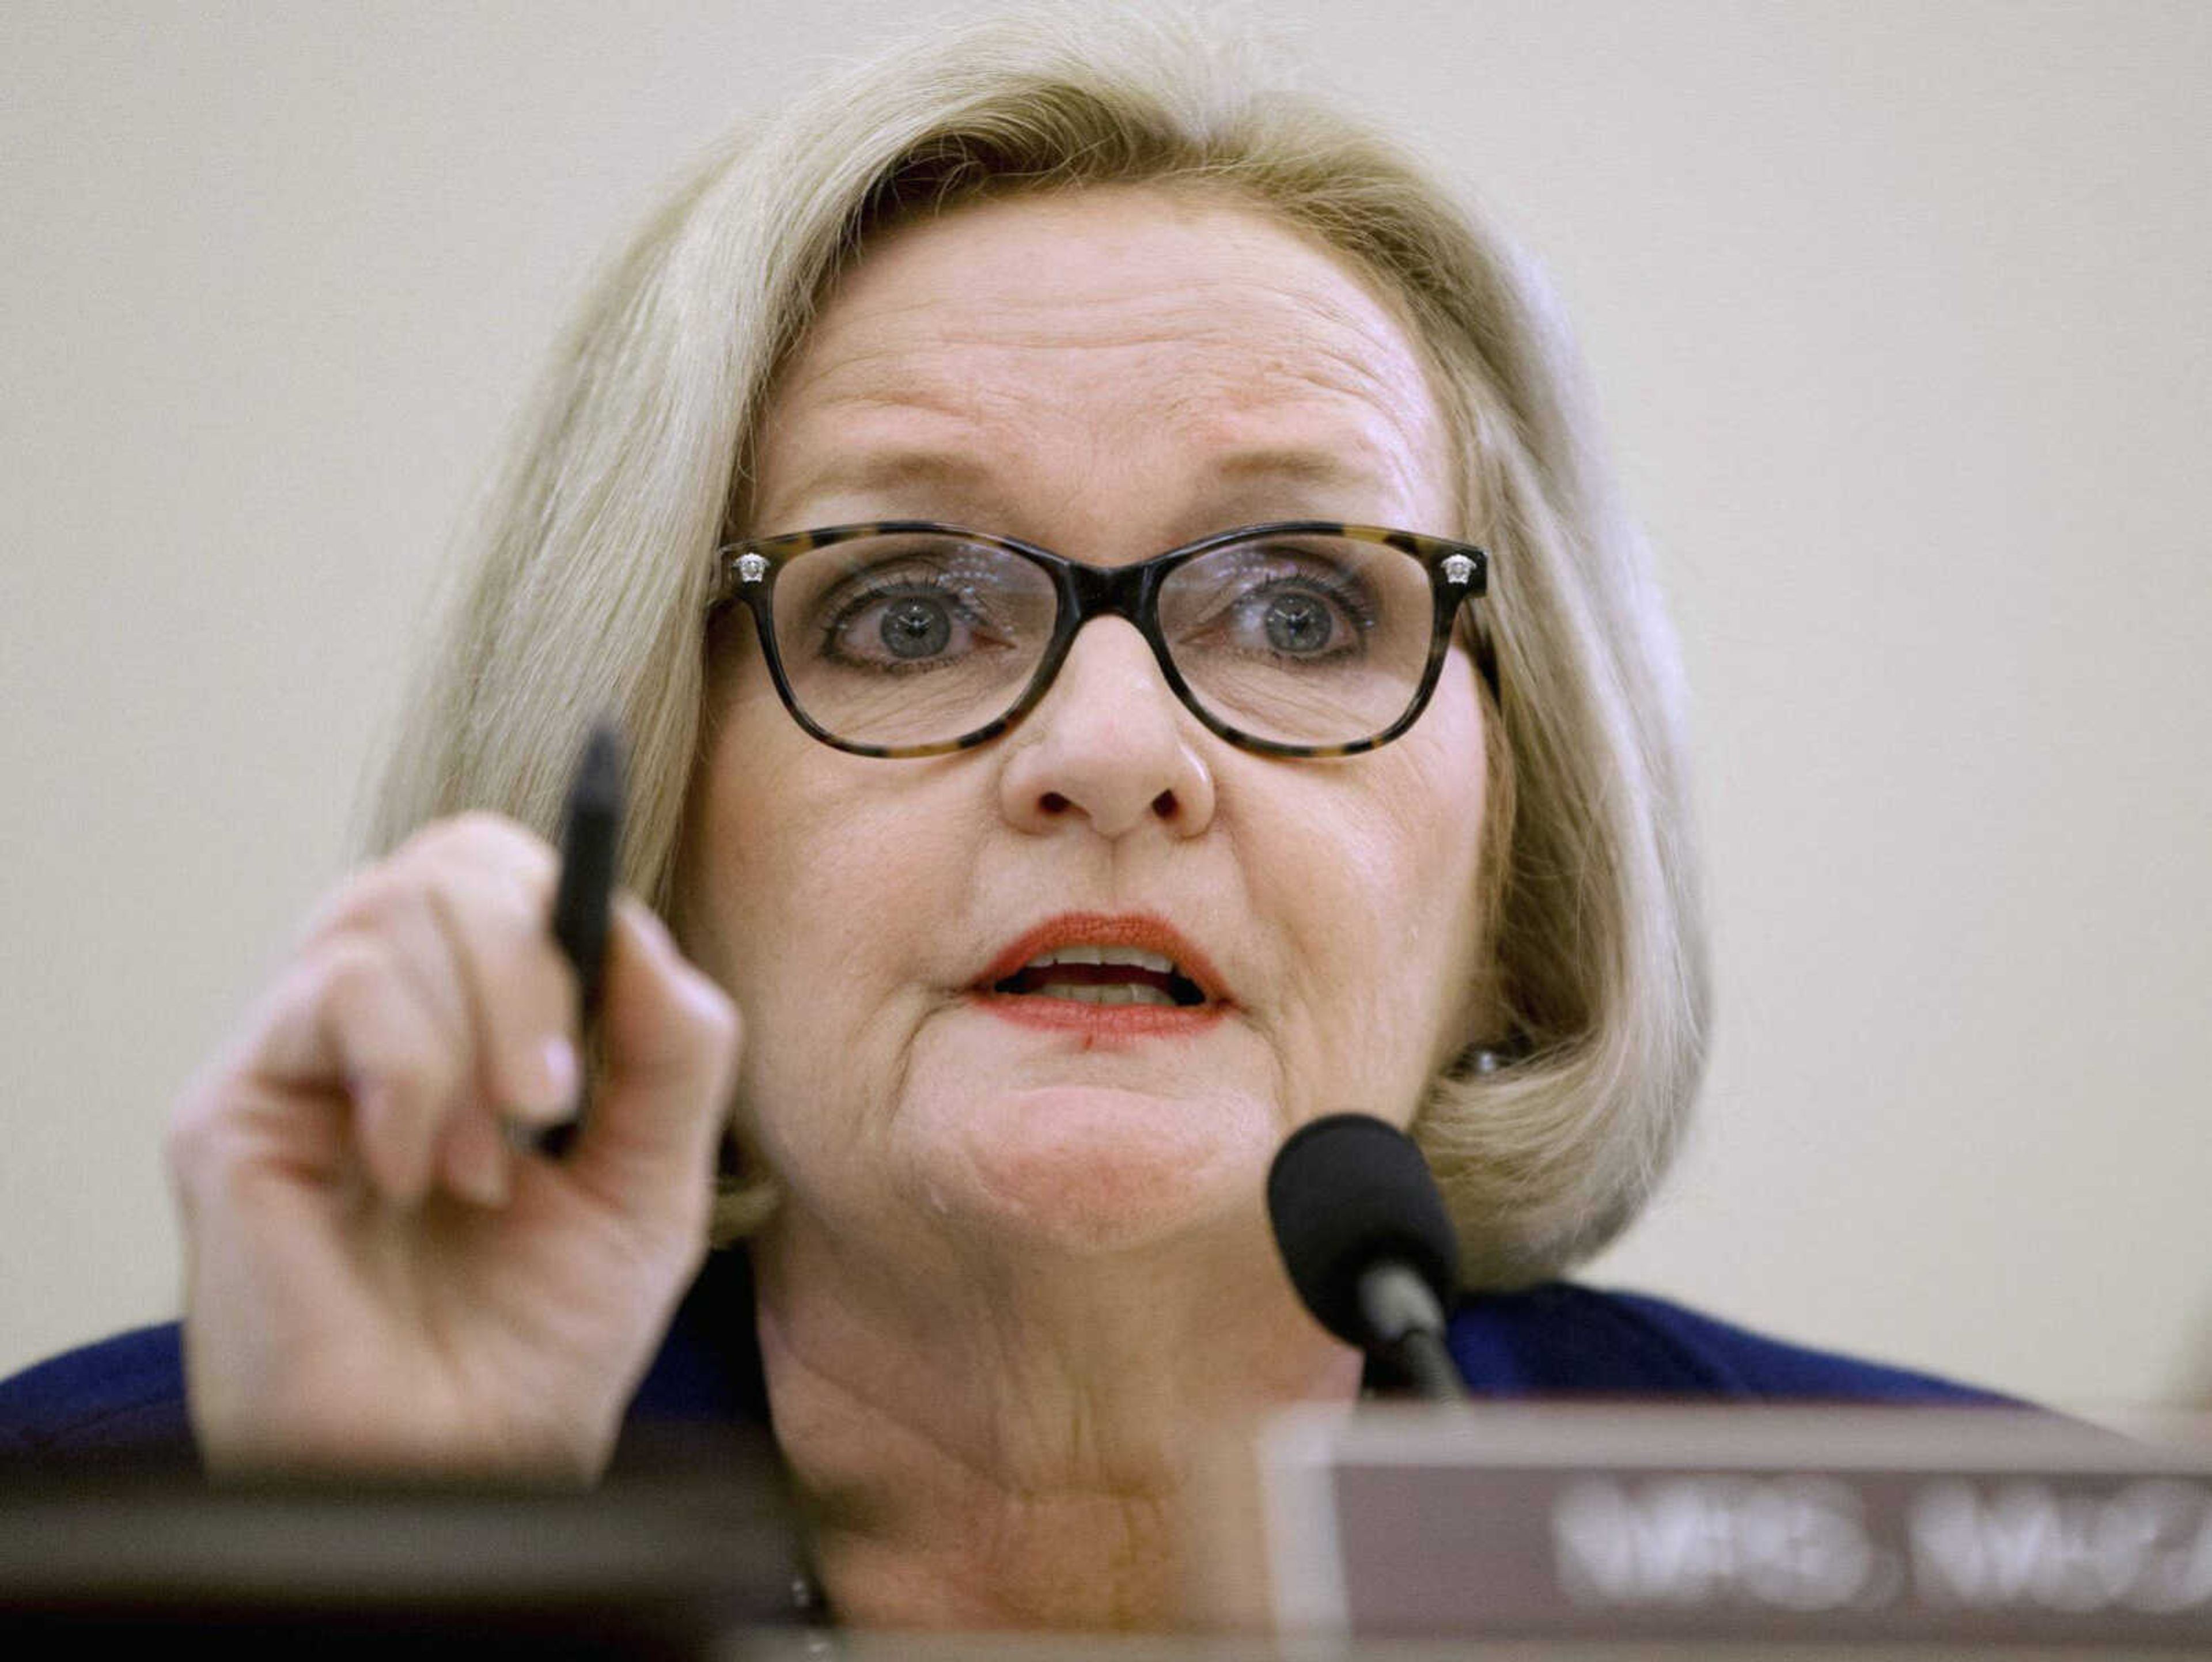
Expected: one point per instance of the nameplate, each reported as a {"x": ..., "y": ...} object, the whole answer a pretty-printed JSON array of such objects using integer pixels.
[{"x": 1966, "y": 1527}]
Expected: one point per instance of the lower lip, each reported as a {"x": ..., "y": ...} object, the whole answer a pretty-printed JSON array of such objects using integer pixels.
[{"x": 1073, "y": 1015}]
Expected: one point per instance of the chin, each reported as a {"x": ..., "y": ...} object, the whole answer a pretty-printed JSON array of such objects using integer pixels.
[{"x": 1094, "y": 1171}]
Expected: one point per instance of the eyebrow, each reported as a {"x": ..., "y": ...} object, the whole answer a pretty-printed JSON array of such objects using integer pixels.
[
  {"x": 1273, "y": 464},
  {"x": 976, "y": 483},
  {"x": 896, "y": 470}
]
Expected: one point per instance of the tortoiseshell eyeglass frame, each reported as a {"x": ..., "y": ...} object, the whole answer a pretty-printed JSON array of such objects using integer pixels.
[{"x": 746, "y": 572}]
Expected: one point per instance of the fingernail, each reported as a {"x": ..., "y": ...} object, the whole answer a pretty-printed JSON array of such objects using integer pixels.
[{"x": 557, "y": 1068}]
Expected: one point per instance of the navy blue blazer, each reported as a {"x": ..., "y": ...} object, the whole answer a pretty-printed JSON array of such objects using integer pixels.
[{"x": 124, "y": 1397}]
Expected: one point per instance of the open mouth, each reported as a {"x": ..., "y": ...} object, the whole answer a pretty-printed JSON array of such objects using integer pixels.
[
  {"x": 1108, "y": 976},
  {"x": 1103, "y": 975}
]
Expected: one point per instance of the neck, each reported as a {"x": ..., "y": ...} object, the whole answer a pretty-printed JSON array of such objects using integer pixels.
[{"x": 986, "y": 1443}]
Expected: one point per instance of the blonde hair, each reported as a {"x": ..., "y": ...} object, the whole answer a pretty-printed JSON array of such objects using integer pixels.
[{"x": 588, "y": 591}]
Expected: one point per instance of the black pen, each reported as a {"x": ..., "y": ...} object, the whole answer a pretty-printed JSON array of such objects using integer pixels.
[{"x": 591, "y": 839}]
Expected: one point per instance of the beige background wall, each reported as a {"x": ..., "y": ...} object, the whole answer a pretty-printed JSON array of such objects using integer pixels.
[{"x": 1899, "y": 315}]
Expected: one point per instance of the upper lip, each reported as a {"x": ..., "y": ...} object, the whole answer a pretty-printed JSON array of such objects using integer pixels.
[{"x": 1138, "y": 929}]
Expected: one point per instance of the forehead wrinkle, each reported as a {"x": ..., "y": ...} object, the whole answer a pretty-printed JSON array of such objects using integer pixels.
[
  {"x": 1248, "y": 406},
  {"x": 876, "y": 323},
  {"x": 1247, "y": 399},
  {"x": 1322, "y": 469},
  {"x": 1251, "y": 366}
]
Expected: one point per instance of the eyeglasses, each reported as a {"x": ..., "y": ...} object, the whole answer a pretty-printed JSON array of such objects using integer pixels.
[{"x": 904, "y": 637}]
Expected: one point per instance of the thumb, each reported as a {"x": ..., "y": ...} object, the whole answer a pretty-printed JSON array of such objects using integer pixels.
[{"x": 669, "y": 1040}]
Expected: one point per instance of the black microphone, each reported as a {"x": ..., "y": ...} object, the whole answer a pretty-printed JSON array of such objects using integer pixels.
[{"x": 1368, "y": 1247}]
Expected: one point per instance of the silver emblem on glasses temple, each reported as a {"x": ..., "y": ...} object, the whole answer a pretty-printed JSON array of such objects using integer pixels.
[
  {"x": 1458, "y": 569},
  {"x": 751, "y": 567}
]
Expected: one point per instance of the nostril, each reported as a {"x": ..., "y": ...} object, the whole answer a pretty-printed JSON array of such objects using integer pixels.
[
  {"x": 1165, "y": 805},
  {"x": 1053, "y": 802}
]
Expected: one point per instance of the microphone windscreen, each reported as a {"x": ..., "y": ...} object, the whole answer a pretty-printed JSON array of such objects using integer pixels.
[{"x": 1346, "y": 1191}]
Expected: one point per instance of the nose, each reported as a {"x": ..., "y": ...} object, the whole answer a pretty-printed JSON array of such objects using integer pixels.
[{"x": 1110, "y": 743}]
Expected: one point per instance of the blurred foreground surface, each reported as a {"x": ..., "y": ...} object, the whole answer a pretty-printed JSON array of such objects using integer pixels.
[{"x": 1387, "y": 1532}]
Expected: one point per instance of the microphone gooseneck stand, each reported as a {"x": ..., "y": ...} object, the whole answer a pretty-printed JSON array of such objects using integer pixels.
[{"x": 1405, "y": 1330}]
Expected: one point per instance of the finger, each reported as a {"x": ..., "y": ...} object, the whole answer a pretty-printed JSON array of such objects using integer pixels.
[
  {"x": 428, "y": 984},
  {"x": 349, "y": 1017},
  {"x": 517, "y": 993},
  {"x": 498, "y": 847},
  {"x": 224, "y": 1129},
  {"x": 489, "y": 882},
  {"x": 474, "y": 1160},
  {"x": 670, "y": 1039},
  {"x": 464, "y": 904},
  {"x": 459, "y": 913}
]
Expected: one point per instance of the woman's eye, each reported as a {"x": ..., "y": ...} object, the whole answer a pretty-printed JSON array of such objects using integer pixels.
[
  {"x": 915, "y": 627},
  {"x": 908, "y": 628},
  {"x": 1293, "y": 618},
  {"x": 1297, "y": 625}
]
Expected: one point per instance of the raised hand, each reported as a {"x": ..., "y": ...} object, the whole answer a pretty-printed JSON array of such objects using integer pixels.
[{"x": 374, "y": 1277}]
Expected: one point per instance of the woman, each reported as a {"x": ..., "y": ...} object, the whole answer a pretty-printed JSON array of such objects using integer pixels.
[{"x": 1008, "y": 971}]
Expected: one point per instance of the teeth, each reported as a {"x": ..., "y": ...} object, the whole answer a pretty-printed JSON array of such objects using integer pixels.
[
  {"x": 1134, "y": 956},
  {"x": 1125, "y": 993}
]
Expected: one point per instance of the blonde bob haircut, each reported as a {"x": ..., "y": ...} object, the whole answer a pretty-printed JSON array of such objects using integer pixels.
[{"x": 589, "y": 581}]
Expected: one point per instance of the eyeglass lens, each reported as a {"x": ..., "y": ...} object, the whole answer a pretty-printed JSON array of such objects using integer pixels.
[{"x": 917, "y": 638}]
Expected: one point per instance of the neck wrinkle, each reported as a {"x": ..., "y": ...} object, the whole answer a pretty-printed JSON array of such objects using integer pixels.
[{"x": 972, "y": 1472}]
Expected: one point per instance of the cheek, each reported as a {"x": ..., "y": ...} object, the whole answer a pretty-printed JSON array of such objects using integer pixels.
[
  {"x": 760, "y": 852},
  {"x": 1441, "y": 813},
  {"x": 767, "y": 845},
  {"x": 821, "y": 886},
  {"x": 1381, "y": 865},
  {"x": 784, "y": 880},
  {"x": 765, "y": 861},
  {"x": 735, "y": 857}
]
